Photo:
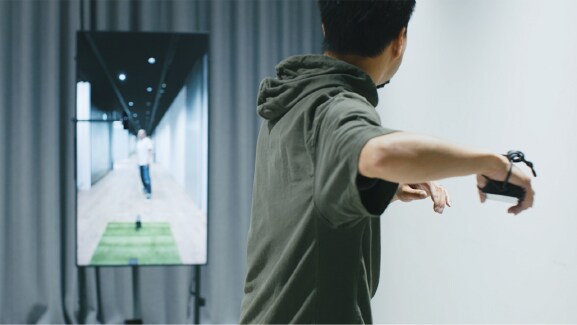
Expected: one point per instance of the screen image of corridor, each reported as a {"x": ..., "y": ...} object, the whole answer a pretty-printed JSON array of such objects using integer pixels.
[{"x": 142, "y": 181}]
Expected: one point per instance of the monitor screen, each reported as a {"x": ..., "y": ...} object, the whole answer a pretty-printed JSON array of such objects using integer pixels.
[{"x": 141, "y": 148}]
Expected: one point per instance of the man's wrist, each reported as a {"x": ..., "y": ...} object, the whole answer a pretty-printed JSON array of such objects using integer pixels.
[{"x": 495, "y": 166}]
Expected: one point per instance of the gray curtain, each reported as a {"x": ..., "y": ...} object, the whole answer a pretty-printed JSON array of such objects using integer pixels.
[{"x": 39, "y": 282}]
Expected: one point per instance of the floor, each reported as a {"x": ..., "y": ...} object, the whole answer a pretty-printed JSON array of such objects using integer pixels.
[{"x": 119, "y": 197}]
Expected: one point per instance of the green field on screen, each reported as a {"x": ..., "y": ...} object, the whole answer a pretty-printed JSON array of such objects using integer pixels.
[{"x": 122, "y": 244}]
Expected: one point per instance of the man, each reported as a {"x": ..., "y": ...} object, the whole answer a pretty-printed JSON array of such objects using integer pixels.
[
  {"x": 144, "y": 156},
  {"x": 326, "y": 170}
]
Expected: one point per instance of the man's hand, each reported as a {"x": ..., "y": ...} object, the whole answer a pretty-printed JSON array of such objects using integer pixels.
[
  {"x": 412, "y": 192},
  {"x": 517, "y": 177}
]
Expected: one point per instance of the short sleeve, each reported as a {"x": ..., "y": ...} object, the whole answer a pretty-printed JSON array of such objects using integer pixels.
[{"x": 341, "y": 194}]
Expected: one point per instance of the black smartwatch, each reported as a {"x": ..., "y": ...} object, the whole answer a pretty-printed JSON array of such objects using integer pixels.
[{"x": 503, "y": 190}]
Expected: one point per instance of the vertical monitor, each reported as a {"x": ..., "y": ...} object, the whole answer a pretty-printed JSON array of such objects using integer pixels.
[{"x": 141, "y": 148}]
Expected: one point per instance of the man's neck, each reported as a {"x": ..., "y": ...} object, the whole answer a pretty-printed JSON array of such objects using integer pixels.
[{"x": 374, "y": 67}]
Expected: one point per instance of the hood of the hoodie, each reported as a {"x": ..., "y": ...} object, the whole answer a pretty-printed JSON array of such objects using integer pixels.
[{"x": 299, "y": 76}]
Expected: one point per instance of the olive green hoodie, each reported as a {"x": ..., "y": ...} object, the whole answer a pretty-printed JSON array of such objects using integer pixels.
[{"x": 314, "y": 241}]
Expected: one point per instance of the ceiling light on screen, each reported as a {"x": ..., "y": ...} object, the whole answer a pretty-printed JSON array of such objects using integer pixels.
[
  {"x": 130, "y": 104},
  {"x": 149, "y": 89},
  {"x": 151, "y": 60},
  {"x": 122, "y": 77}
]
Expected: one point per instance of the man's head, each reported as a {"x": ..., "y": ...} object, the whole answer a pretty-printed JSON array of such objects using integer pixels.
[
  {"x": 141, "y": 134},
  {"x": 363, "y": 27},
  {"x": 367, "y": 29}
]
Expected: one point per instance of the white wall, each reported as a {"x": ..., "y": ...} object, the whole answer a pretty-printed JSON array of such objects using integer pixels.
[
  {"x": 83, "y": 172},
  {"x": 196, "y": 179},
  {"x": 121, "y": 148},
  {"x": 93, "y": 140},
  {"x": 170, "y": 137},
  {"x": 495, "y": 74},
  {"x": 181, "y": 137},
  {"x": 100, "y": 145}
]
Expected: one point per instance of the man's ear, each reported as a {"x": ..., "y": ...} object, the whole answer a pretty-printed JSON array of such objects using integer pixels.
[
  {"x": 323, "y": 27},
  {"x": 399, "y": 43}
]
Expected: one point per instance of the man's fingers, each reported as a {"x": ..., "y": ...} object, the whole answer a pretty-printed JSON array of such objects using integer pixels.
[
  {"x": 482, "y": 196},
  {"x": 481, "y": 182},
  {"x": 524, "y": 205},
  {"x": 439, "y": 198},
  {"x": 438, "y": 194},
  {"x": 515, "y": 209},
  {"x": 407, "y": 193},
  {"x": 413, "y": 194}
]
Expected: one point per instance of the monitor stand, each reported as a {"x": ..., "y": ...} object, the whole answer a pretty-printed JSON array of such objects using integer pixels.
[{"x": 199, "y": 301}]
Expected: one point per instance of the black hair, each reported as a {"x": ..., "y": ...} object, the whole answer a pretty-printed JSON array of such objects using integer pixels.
[{"x": 363, "y": 27}]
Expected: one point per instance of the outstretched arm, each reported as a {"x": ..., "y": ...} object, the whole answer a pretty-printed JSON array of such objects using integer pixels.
[{"x": 410, "y": 158}]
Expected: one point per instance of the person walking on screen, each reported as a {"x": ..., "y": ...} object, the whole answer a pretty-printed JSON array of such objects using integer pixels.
[
  {"x": 144, "y": 155},
  {"x": 326, "y": 169}
]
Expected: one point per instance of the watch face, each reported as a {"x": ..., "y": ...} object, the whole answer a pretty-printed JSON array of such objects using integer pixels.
[{"x": 502, "y": 198}]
